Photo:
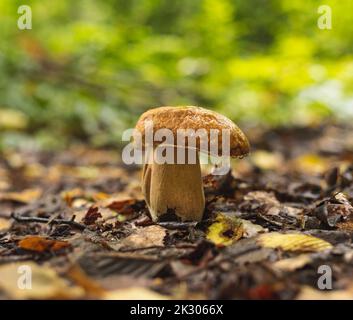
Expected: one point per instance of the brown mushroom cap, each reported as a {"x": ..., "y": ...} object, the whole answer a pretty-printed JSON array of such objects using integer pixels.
[{"x": 190, "y": 117}]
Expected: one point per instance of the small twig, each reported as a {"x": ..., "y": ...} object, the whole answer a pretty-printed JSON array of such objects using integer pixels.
[
  {"x": 142, "y": 248},
  {"x": 46, "y": 220},
  {"x": 275, "y": 223},
  {"x": 177, "y": 225}
]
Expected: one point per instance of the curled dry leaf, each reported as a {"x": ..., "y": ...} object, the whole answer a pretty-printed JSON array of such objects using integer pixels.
[
  {"x": 124, "y": 207},
  {"x": 335, "y": 210},
  {"x": 45, "y": 283},
  {"x": 262, "y": 202},
  {"x": 40, "y": 244},
  {"x": 91, "y": 216},
  {"x": 225, "y": 230},
  {"x": 293, "y": 242}
]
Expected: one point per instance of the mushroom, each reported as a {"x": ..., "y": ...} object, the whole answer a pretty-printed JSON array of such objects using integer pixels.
[{"x": 176, "y": 188}]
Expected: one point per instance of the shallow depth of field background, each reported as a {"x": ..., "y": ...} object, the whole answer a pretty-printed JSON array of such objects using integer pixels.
[{"x": 88, "y": 69}]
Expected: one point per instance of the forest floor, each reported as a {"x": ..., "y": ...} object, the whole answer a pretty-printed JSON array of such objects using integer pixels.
[{"x": 280, "y": 226}]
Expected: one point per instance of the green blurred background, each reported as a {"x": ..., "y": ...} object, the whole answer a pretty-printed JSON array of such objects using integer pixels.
[{"x": 88, "y": 69}]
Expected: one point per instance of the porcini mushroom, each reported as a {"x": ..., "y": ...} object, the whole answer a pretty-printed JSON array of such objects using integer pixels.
[{"x": 177, "y": 188}]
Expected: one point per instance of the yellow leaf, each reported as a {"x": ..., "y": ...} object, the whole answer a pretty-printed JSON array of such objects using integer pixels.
[
  {"x": 98, "y": 196},
  {"x": 225, "y": 230},
  {"x": 267, "y": 160},
  {"x": 311, "y": 163},
  {"x": 4, "y": 224},
  {"x": 293, "y": 242},
  {"x": 70, "y": 195},
  {"x": 25, "y": 196}
]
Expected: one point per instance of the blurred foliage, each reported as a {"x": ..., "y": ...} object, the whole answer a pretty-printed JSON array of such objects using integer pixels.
[{"x": 88, "y": 68}]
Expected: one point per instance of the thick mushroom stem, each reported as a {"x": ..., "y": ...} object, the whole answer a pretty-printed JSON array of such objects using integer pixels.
[{"x": 174, "y": 188}]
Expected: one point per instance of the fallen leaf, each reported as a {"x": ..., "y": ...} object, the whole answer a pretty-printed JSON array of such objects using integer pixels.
[
  {"x": 266, "y": 160},
  {"x": 262, "y": 292},
  {"x": 124, "y": 207},
  {"x": 225, "y": 230},
  {"x": 292, "y": 264},
  {"x": 345, "y": 226},
  {"x": 91, "y": 216},
  {"x": 78, "y": 194},
  {"x": 4, "y": 224},
  {"x": 40, "y": 244},
  {"x": 79, "y": 277},
  {"x": 98, "y": 196},
  {"x": 146, "y": 237},
  {"x": 44, "y": 282},
  {"x": 70, "y": 195},
  {"x": 134, "y": 293},
  {"x": 311, "y": 163},
  {"x": 262, "y": 202},
  {"x": 25, "y": 196},
  {"x": 293, "y": 242},
  {"x": 334, "y": 211},
  {"x": 251, "y": 229}
]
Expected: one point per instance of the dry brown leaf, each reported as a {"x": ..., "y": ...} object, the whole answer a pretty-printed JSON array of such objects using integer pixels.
[
  {"x": 45, "y": 283},
  {"x": 146, "y": 237},
  {"x": 91, "y": 216},
  {"x": 40, "y": 244},
  {"x": 293, "y": 242},
  {"x": 266, "y": 201},
  {"x": 345, "y": 225},
  {"x": 123, "y": 207}
]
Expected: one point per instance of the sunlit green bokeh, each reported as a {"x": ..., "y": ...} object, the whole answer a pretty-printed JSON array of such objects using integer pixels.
[{"x": 89, "y": 68}]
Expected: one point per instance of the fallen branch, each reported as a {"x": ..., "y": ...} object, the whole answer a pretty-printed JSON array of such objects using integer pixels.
[{"x": 71, "y": 223}]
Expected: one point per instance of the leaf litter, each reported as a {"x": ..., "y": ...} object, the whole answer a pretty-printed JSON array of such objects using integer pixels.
[{"x": 77, "y": 218}]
